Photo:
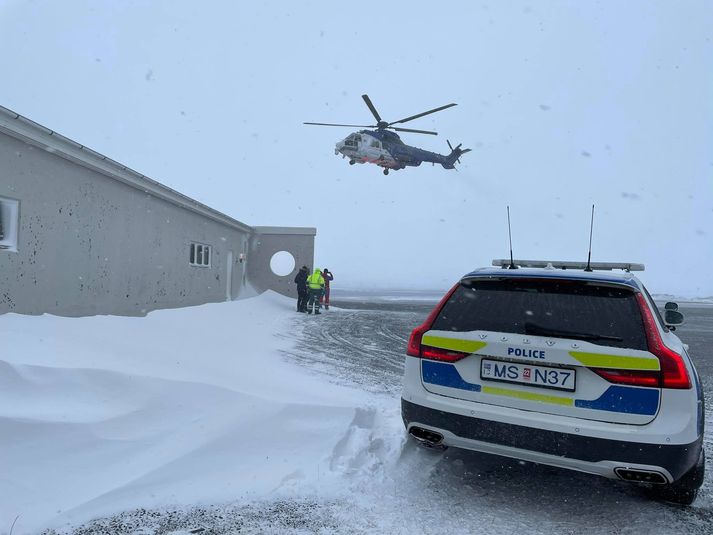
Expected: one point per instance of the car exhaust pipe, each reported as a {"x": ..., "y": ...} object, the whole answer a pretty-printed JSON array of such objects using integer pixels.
[
  {"x": 426, "y": 437},
  {"x": 640, "y": 476}
]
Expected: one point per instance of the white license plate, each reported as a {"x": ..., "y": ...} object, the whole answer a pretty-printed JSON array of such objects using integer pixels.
[{"x": 526, "y": 374}]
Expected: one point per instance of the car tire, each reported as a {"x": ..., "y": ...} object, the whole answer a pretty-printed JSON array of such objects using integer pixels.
[{"x": 685, "y": 490}]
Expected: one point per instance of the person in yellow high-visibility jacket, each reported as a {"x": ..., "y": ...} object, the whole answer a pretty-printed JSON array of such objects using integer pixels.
[{"x": 315, "y": 283}]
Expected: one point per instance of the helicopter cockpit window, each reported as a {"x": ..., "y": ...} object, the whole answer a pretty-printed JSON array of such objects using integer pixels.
[
  {"x": 351, "y": 141},
  {"x": 375, "y": 143}
]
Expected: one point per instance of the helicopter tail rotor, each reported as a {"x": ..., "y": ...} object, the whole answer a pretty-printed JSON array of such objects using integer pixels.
[{"x": 455, "y": 155}]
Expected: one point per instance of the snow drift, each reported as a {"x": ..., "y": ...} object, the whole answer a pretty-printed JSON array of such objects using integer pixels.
[{"x": 186, "y": 406}]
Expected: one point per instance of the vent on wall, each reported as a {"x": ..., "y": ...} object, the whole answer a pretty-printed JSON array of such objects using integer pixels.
[{"x": 9, "y": 222}]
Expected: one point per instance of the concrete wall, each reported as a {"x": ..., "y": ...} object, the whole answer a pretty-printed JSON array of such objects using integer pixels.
[
  {"x": 265, "y": 242},
  {"x": 95, "y": 237}
]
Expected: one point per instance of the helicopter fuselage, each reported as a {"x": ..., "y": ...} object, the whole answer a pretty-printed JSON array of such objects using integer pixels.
[{"x": 385, "y": 149}]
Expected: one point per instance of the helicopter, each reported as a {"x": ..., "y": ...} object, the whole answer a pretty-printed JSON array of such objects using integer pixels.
[{"x": 385, "y": 148}]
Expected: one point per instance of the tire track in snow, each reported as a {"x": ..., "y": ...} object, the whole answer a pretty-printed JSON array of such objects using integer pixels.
[{"x": 362, "y": 347}]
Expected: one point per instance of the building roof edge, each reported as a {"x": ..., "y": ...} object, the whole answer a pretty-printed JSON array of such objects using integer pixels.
[{"x": 24, "y": 129}]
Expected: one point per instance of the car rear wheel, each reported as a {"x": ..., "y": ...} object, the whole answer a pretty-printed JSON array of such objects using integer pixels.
[{"x": 685, "y": 490}]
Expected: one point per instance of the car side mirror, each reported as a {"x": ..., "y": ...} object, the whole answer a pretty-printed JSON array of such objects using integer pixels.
[
  {"x": 673, "y": 318},
  {"x": 671, "y": 306}
]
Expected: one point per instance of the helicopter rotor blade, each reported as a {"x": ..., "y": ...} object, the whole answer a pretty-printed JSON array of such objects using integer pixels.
[
  {"x": 434, "y": 110},
  {"x": 412, "y": 130},
  {"x": 371, "y": 108},
  {"x": 451, "y": 147},
  {"x": 349, "y": 125}
]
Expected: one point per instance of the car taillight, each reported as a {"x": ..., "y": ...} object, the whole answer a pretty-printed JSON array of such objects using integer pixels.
[
  {"x": 444, "y": 355},
  {"x": 673, "y": 368},
  {"x": 414, "y": 343},
  {"x": 630, "y": 377}
]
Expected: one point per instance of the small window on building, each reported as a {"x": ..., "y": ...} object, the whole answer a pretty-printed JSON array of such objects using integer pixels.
[
  {"x": 199, "y": 255},
  {"x": 9, "y": 223}
]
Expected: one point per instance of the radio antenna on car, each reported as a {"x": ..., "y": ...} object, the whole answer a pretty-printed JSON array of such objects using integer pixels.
[
  {"x": 589, "y": 255},
  {"x": 512, "y": 263}
]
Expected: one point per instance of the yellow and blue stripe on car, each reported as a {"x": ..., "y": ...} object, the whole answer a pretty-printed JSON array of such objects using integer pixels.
[{"x": 616, "y": 398}]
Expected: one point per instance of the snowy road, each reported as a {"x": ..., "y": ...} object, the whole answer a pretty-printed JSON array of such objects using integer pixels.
[
  {"x": 374, "y": 481},
  {"x": 488, "y": 493},
  {"x": 364, "y": 347}
]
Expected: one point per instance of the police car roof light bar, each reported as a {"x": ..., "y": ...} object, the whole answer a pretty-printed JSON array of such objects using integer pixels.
[{"x": 564, "y": 264}]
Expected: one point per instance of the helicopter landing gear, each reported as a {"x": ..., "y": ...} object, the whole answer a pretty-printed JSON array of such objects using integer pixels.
[
  {"x": 351, "y": 162},
  {"x": 386, "y": 171}
]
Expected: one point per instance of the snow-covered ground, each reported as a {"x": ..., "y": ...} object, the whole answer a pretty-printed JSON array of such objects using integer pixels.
[
  {"x": 187, "y": 406},
  {"x": 662, "y": 298},
  {"x": 348, "y": 295},
  {"x": 433, "y": 296},
  {"x": 246, "y": 417}
]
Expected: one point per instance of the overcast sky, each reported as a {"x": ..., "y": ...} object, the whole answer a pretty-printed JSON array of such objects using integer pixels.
[{"x": 564, "y": 103}]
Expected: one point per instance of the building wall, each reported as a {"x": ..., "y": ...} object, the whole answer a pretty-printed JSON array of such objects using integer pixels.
[
  {"x": 264, "y": 243},
  {"x": 90, "y": 243}
]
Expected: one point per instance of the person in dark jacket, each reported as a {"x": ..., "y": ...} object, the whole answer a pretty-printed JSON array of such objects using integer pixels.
[{"x": 301, "y": 281}]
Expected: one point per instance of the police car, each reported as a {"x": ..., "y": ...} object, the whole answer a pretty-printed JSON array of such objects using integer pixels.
[{"x": 560, "y": 365}]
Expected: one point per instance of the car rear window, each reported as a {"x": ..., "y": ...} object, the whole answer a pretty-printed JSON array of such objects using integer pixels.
[{"x": 600, "y": 314}]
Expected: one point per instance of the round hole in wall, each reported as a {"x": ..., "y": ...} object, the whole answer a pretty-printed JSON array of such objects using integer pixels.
[{"x": 282, "y": 263}]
